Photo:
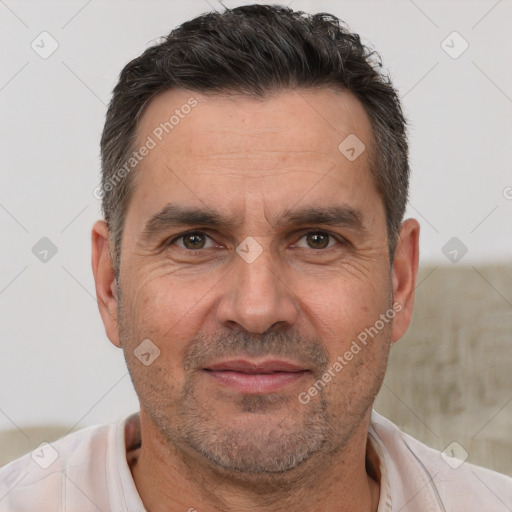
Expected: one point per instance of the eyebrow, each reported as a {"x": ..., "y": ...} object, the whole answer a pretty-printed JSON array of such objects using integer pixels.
[
  {"x": 341, "y": 216},
  {"x": 175, "y": 215}
]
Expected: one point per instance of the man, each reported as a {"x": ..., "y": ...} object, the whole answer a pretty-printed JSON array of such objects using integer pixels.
[{"x": 255, "y": 268}]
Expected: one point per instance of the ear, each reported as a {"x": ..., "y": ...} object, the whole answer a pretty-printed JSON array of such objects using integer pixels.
[
  {"x": 104, "y": 278},
  {"x": 405, "y": 271}
]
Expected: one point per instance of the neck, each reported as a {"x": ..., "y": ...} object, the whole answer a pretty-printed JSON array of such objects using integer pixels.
[{"x": 170, "y": 478}]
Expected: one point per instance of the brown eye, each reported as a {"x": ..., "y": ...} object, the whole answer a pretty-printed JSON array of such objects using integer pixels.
[
  {"x": 317, "y": 240},
  {"x": 194, "y": 240}
]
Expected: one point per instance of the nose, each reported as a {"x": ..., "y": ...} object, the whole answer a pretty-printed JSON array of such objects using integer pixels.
[{"x": 256, "y": 298}]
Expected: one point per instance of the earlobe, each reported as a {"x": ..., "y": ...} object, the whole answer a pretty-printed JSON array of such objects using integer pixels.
[
  {"x": 405, "y": 271},
  {"x": 104, "y": 278}
]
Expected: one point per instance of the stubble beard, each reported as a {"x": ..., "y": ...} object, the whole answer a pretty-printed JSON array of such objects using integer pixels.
[{"x": 258, "y": 443}]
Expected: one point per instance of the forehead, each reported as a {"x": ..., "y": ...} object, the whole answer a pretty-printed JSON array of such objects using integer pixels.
[{"x": 250, "y": 154}]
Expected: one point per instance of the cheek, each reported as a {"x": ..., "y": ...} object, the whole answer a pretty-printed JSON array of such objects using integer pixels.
[
  {"x": 342, "y": 307},
  {"x": 170, "y": 315},
  {"x": 354, "y": 322},
  {"x": 169, "y": 318}
]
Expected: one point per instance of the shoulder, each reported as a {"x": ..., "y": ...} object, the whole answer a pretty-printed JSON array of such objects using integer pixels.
[
  {"x": 72, "y": 464},
  {"x": 421, "y": 478}
]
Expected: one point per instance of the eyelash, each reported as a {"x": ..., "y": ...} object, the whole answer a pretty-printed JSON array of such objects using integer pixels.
[{"x": 338, "y": 238}]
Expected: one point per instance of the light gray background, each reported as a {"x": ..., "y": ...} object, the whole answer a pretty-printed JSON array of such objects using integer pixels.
[{"x": 56, "y": 364}]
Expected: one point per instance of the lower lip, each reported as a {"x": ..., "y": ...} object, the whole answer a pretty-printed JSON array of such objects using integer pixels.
[{"x": 258, "y": 382}]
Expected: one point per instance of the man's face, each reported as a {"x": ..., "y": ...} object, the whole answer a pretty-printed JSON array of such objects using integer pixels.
[{"x": 246, "y": 326}]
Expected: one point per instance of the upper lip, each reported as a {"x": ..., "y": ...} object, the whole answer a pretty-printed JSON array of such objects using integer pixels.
[{"x": 254, "y": 367}]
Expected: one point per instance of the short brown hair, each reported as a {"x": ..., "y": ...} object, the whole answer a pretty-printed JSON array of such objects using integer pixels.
[{"x": 255, "y": 50}]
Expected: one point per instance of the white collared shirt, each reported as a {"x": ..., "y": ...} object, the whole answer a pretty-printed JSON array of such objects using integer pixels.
[{"x": 88, "y": 471}]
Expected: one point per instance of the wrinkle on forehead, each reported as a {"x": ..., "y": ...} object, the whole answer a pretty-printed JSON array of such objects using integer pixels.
[
  {"x": 243, "y": 120},
  {"x": 249, "y": 156}
]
